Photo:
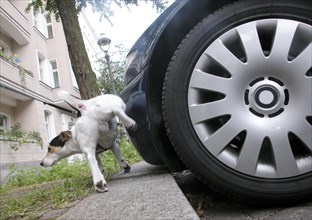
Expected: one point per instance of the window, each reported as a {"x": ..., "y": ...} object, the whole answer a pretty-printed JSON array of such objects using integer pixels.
[
  {"x": 49, "y": 26},
  {"x": 75, "y": 84},
  {"x": 43, "y": 23},
  {"x": 49, "y": 124},
  {"x": 43, "y": 69},
  {"x": 48, "y": 71},
  {"x": 67, "y": 121},
  {"x": 55, "y": 75},
  {"x": 5, "y": 49},
  {"x": 4, "y": 122},
  {"x": 40, "y": 23}
]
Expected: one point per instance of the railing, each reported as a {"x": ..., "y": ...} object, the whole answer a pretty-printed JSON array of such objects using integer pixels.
[
  {"x": 12, "y": 71},
  {"x": 14, "y": 62}
]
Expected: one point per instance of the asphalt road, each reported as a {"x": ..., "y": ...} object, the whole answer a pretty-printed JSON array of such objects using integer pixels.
[{"x": 209, "y": 205}]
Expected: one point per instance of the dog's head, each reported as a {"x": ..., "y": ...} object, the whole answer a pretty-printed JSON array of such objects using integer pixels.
[{"x": 57, "y": 149}]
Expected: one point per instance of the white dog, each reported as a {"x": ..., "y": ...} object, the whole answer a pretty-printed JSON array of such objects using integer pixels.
[
  {"x": 94, "y": 132},
  {"x": 100, "y": 108}
]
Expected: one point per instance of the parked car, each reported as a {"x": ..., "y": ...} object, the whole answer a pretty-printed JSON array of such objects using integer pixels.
[{"x": 224, "y": 88}]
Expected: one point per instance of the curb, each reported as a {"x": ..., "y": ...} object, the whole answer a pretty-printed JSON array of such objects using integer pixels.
[{"x": 147, "y": 192}]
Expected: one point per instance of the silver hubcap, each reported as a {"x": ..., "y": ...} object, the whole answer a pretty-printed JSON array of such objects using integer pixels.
[
  {"x": 266, "y": 97},
  {"x": 250, "y": 98}
]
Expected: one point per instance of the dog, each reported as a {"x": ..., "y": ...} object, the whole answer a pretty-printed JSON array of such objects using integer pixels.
[
  {"x": 94, "y": 132},
  {"x": 100, "y": 108}
]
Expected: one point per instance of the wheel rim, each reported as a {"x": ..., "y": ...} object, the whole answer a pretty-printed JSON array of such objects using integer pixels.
[{"x": 249, "y": 98}]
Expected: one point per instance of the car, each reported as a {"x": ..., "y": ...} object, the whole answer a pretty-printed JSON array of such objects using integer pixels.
[{"x": 223, "y": 88}]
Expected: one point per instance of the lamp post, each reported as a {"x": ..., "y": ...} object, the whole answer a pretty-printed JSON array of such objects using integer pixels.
[{"x": 104, "y": 43}]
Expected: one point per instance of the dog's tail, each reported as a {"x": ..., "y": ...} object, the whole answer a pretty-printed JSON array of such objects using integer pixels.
[{"x": 71, "y": 100}]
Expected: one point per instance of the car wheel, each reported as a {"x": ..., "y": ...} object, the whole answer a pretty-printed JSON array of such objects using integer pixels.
[{"x": 237, "y": 100}]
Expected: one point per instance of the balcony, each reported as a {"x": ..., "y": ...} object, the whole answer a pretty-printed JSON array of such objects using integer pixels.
[
  {"x": 13, "y": 82},
  {"x": 13, "y": 72},
  {"x": 14, "y": 23}
]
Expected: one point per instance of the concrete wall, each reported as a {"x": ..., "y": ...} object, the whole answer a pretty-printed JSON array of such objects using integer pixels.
[{"x": 26, "y": 153}]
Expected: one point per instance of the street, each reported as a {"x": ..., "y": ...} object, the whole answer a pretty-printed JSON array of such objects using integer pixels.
[{"x": 209, "y": 205}]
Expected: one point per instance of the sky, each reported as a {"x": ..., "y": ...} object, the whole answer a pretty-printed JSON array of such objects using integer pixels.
[{"x": 128, "y": 25}]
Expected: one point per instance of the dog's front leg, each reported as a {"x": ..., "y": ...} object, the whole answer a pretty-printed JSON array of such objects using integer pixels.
[{"x": 98, "y": 178}]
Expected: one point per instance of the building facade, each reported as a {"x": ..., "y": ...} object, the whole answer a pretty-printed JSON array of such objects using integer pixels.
[{"x": 34, "y": 65}]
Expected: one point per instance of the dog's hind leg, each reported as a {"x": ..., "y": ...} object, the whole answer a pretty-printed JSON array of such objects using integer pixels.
[
  {"x": 97, "y": 157},
  {"x": 116, "y": 151},
  {"x": 125, "y": 119}
]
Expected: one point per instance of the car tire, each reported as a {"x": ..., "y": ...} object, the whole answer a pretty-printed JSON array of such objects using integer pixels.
[{"x": 237, "y": 101}]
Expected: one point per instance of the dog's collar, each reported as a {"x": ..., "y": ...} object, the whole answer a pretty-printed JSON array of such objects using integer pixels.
[{"x": 78, "y": 113}]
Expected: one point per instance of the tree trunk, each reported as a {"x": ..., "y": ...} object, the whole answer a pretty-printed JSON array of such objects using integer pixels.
[{"x": 86, "y": 78}]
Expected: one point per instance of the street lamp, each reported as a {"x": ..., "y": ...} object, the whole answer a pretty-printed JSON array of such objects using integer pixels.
[{"x": 104, "y": 43}]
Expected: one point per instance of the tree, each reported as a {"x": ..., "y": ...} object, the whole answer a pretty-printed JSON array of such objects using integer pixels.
[
  {"x": 67, "y": 11},
  {"x": 117, "y": 62}
]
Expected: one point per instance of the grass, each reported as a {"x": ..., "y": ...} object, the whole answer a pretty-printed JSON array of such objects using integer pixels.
[{"x": 30, "y": 193}]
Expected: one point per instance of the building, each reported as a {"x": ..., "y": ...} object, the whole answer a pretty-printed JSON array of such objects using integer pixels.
[
  {"x": 34, "y": 65},
  {"x": 90, "y": 40}
]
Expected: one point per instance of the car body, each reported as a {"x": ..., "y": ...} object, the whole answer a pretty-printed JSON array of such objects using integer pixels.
[{"x": 205, "y": 98}]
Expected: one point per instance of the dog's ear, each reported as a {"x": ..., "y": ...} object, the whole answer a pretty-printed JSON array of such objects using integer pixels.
[
  {"x": 65, "y": 136},
  {"x": 60, "y": 140}
]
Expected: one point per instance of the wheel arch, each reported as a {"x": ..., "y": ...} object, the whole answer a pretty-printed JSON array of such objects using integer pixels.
[{"x": 166, "y": 44}]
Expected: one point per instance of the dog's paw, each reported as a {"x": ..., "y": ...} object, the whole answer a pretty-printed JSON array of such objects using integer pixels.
[
  {"x": 127, "y": 169},
  {"x": 132, "y": 126},
  {"x": 101, "y": 187}
]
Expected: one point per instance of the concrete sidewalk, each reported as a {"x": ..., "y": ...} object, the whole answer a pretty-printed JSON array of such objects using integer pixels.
[{"x": 147, "y": 192}]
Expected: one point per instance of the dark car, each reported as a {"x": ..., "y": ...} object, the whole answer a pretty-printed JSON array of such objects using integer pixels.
[{"x": 224, "y": 88}]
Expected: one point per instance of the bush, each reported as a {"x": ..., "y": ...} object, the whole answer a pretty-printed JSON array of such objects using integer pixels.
[{"x": 15, "y": 134}]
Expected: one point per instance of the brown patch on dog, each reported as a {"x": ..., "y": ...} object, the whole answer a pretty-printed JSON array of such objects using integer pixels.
[
  {"x": 64, "y": 136},
  {"x": 53, "y": 149}
]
